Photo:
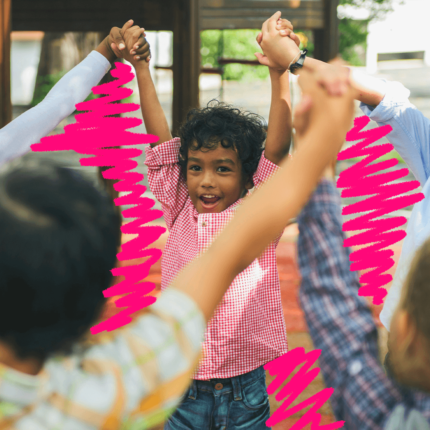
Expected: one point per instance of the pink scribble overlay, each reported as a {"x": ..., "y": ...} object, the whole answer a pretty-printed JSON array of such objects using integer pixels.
[
  {"x": 95, "y": 133},
  {"x": 283, "y": 367},
  {"x": 385, "y": 197}
]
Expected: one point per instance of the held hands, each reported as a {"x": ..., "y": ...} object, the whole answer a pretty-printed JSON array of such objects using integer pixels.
[
  {"x": 129, "y": 43},
  {"x": 278, "y": 51}
]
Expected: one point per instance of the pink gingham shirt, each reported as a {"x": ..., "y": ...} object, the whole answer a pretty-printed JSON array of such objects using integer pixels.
[{"x": 248, "y": 329}]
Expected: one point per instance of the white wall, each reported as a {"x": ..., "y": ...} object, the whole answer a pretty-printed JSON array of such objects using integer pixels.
[
  {"x": 25, "y": 57},
  {"x": 406, "y": 29}
]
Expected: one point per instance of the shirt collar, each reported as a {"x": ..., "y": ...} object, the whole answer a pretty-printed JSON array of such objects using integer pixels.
[
  {"x": 21, "y": 389},
  {"x": 231, "y": 208}
]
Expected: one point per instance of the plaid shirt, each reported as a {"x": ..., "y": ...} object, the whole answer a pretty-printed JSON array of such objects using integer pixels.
[
  {"x": 342, "y": 326},
  {"x": 248, "y": 329},
  {"x": 131, "y": 379}
]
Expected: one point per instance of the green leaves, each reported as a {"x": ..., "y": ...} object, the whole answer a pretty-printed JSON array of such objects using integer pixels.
[{"x": 237, "y": 44}]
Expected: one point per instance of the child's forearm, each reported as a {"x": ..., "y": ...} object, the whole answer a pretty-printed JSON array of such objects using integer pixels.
[
  {"x": 280, "y": 120},
  {"x": 152, "y": 112},
  {"x": 261, "y": 217},
  {"x": 369, "y": 92}
]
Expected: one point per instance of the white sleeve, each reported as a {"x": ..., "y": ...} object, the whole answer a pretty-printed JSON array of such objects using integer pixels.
[
  {"x": 60, "y": 102},
  {"x": 410, "y": 133}
]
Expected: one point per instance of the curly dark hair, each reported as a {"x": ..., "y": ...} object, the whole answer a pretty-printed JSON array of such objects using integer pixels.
[
  {"x": 222, "y": 123},
  {"x": 59, "y": 236}
]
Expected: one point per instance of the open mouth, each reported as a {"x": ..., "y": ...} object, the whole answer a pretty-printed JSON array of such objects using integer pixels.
[{"x": 209, "y": 200}]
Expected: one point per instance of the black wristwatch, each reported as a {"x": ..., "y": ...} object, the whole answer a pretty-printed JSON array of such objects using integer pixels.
[{"x": 299, "y": 63}]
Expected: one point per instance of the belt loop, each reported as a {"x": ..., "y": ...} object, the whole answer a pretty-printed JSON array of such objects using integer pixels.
[
  {"x": 237, "y": 389},
  {"x": 193, "y": 390}
]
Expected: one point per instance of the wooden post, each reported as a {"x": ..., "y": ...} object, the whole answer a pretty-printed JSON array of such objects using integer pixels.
[
  {"x": 186, "y": 59},
  {"x": 5, "y": 29},
  {"x": 326, "y": 40}
]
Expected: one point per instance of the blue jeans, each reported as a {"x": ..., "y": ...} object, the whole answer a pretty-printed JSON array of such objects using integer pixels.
[{"x": 236, "y": 403}]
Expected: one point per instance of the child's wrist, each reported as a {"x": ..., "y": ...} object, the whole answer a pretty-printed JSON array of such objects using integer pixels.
[
  {"x": 276, "y": 73},
  {"x": 141, "y": 66},
  {"x": 106, "y": 51},
  {"x": 112, "y": 55}
]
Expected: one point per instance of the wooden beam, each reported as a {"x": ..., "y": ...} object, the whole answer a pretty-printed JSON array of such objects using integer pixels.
[
  {"x": 5, "y": 100},
  {"x": 326, "y": 40},
  {"x": 89, "y": 15},
  {"x": 237, "y": 14},
  {"x": 186, "y": 59}
]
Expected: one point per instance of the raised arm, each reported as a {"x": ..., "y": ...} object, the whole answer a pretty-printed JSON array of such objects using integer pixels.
[
  {"x": 152, "y": 112},
  {"x": 367, "y": 91},
  {"x": 384, "y": 102},
  {"x": 410, "y": 133},
  {"x": 261, "y": 217},
  {"x": 280, "y": 120},
  {"x": 17, "y": 137}
]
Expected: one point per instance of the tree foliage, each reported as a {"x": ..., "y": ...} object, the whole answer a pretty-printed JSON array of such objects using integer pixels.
[
  {"x": 353, "y": 33},
  {"x": 239, "y": 44}
]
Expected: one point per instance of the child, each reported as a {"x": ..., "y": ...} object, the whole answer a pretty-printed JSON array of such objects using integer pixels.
[
  {"x": 342, "y": 326},
  {"x": 200, "y": 179},
  {"x": 386, "y": 103},
  {"x": 54, "y": 226}
]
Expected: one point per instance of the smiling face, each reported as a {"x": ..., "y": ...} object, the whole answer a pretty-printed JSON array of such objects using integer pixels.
[{"x": 215, "y": 179}]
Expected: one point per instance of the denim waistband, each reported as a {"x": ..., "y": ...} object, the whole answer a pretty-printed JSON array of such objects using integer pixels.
[{"x": 235, "y": 383}]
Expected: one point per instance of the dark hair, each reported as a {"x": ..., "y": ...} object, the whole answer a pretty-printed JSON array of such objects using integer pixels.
[
  {"x": 225, "y": 124},
  {"x": 58, "y": 243},
  {"x": 417, "y": 294}
]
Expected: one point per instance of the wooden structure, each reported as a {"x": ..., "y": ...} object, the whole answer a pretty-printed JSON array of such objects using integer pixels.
[
  {"x": 5, "y": 28},
  {"x": 320, "y": 16},
  {"x": 185, "y": 18}
]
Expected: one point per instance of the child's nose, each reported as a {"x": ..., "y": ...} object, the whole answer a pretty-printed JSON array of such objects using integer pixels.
[{"x": 208, "y": 179}]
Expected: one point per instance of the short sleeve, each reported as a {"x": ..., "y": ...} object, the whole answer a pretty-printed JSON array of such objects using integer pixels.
[
  {"x": 264, "y": 170},
  {"x": 165, "y": 178}
]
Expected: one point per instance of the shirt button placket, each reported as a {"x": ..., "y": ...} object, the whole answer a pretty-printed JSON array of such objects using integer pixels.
[{"x": 202, "y": 224}]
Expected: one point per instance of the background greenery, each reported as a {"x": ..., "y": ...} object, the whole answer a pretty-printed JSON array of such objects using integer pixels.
[{"x": 241, "y": 44}]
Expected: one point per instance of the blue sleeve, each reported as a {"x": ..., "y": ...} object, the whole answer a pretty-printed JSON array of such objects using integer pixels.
[
  {"x": 339, "y": 321},
  {"x": 411, "y": 129}
]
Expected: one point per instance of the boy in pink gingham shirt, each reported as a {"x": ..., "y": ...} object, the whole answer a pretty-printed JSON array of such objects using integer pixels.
[
  {"x": 251, "y": 315},
  {"x": 200, "y": 180}
]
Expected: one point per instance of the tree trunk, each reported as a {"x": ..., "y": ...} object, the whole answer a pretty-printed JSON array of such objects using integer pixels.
[{"x": 63, "y": 51}]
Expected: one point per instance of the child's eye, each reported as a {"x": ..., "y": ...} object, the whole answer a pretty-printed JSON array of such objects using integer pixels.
[
  {"x": 194, "y": 168},
  {"x": 223, "y": 169}
]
